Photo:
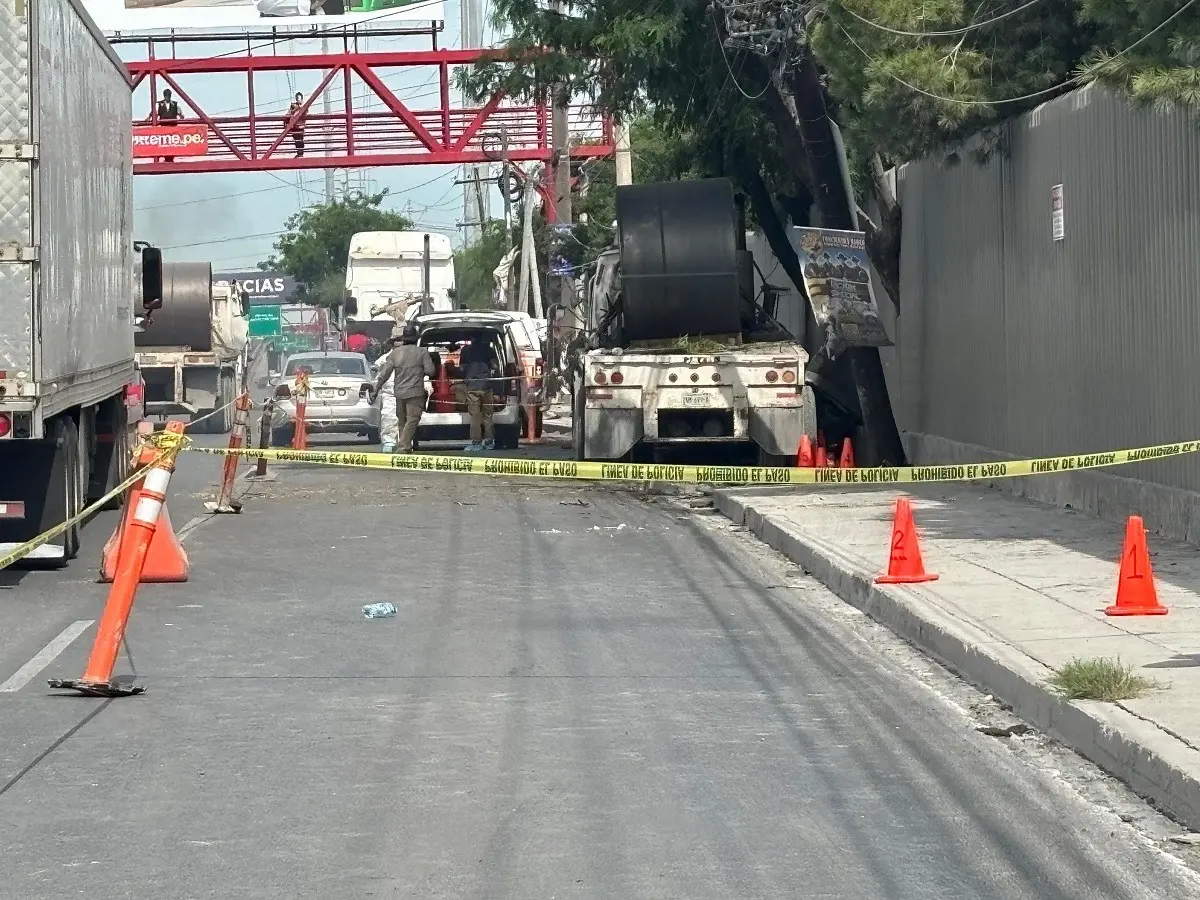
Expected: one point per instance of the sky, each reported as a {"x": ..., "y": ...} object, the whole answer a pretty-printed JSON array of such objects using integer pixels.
[{"x": 233, "y": 219}]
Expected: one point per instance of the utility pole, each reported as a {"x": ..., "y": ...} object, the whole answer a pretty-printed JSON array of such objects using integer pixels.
[
  {"x": 330, "y": 190},
  {"x": 624, "y": 155},
  {"x": 475, "y": 205},
  {"x": 506, "y": 189},
  {"x": 561, "y": 160}
]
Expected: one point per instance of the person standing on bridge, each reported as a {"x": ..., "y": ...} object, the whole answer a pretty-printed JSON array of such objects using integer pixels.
[
  {"x": 168, "y": 114},
  {"x": 408, "y": 365},
  {"x": 295, "y": 122}
]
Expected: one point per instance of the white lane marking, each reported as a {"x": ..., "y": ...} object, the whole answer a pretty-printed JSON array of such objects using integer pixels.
[
  {"x": 45, "y": 656},
  {"x": 191, "y": 525}
]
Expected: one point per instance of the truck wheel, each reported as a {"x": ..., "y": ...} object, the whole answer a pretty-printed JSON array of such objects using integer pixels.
[
  {"x": 113, "y": 458},
  {"x": 577, "y": 431},
  {"x": 283, "y": 435},
  {"x": 508, "y": 437},
  {"x": 66, "y": 439}
]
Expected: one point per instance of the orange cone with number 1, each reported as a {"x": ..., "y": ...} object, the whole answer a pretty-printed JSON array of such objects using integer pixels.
[
  {"x": 905, "y": 565},
  {"x": 1136, "y": 594}
]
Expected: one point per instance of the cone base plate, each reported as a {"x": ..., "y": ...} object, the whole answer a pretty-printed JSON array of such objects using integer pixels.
[
  {"x": 116, "y": 687},
  {"x": 1135, "y": 611},
  {"x": 905, "y": 579}
]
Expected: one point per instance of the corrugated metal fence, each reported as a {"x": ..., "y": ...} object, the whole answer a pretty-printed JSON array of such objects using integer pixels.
[{"x": 1033, "y": 346}]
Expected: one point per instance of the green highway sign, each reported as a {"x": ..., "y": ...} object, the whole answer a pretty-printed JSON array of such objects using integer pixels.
[{"x": 265, "y": 321}]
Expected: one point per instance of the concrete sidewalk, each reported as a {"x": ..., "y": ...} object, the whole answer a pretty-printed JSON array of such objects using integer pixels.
[{"x": 1022, "y": 591}]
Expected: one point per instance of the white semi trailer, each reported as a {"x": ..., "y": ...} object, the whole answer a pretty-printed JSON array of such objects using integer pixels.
[{"x": 72, "y": 288}]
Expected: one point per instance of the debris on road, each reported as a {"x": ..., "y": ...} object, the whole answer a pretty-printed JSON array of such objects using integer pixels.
[{"x": 379, "y": 610}]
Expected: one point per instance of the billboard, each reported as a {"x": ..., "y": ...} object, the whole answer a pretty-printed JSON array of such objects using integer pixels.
[
  {"x": 170, "y": 140},
  {"x": 262, "y": 288},
  {"x": 298, "y": 16}
]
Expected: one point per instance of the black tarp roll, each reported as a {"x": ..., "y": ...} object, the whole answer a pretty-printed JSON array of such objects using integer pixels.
[
  {"x": 679, "y": 259},
  {"x": 185, "y": 319}
]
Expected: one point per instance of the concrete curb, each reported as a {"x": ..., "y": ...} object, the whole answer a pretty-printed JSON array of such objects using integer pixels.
[{"x": 1157, "y": 765}]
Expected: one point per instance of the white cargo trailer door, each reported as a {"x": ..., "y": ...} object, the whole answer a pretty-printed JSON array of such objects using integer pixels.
[{"x": 17, "y": 319}]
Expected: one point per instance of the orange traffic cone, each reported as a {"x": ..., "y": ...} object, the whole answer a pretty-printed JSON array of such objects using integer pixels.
[
  {"x": 847, "y": 460},
  {"x": 905, "y": 565},
  {"x": 804, "y": 453},
  {"x": 821, "y": 461},
  {"x": 166, "y": 561},
  {"x": 1136, "y": 594}
]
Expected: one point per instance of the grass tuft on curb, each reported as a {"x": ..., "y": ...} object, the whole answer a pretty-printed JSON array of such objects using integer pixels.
[{"x": 1102, "y": 678}]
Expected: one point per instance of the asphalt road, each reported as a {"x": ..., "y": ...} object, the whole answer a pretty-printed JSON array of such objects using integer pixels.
[{"x": 586, "y": 693}]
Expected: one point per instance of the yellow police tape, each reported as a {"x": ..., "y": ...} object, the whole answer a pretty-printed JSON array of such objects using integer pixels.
[
  {"x": 678, "y": 474},
  {"x": 164, "y": 442}
]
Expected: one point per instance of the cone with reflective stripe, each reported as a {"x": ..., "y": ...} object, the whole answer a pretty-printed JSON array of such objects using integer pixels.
[
  {"x": 140, "y": 528},
  {"x": 166, "y": 562}
]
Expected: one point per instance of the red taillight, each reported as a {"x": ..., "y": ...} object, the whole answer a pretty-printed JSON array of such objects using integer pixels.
[
  {"x": 283, "y": 391},
  {"x": 772, "y": 376},
  {"x": 5, "y": 425},
  {"x": 600, "y": 378},
  {"x": 539, "y": 366},
  {"x": 616, "y": 378}
]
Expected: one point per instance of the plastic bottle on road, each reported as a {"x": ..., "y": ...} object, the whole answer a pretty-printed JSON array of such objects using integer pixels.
[{"x": 379, "y": 610}]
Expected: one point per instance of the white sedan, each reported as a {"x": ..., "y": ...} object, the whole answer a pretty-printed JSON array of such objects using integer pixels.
[{"x": 339, "y": 397}]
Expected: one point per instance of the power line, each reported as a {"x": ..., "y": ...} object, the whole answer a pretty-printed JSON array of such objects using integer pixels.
[
  {"x": 229, "y": 240},
  {"x": 1074, "y": 80},
  {"x": 954, "y": 32}
]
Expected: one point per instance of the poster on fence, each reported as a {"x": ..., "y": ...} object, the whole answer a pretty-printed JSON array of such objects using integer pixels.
[{"x": 837, "y": 277}]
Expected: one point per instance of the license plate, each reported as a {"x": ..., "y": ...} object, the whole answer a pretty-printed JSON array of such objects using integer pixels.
[
  {"x": 695, "y": 400},
  {"x": 326, "y": 392}
]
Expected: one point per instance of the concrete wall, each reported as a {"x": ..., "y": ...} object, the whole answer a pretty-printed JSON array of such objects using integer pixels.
[{"x": 1010, "y": 340}]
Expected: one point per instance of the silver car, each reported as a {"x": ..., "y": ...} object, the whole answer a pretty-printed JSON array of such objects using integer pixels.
[{"x": 338, "y": 397}]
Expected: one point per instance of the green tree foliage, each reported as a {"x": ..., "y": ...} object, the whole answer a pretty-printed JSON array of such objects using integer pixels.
[
  {"x": 1149, "y": 49},
  {"x": 474, "y": 265},
  {"x": 906, "y": 79},
  {"x": 316, "y": 241}
]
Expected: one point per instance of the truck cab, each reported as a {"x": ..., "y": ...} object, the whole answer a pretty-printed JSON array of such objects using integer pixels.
[{"x": 396, "y": 275}]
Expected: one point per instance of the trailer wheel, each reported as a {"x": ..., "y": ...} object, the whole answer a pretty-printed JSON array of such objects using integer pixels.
[
  {"x": 577, "y": 431},
  {"x": 283, "y": 435},
  {"x": 66, "y": 440},
  {"x": 113, "y": 458},
  {"x": 508, "y": 437}
]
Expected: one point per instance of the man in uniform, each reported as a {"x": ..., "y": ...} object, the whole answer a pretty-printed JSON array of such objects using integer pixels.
[
  {"x": 408, "y": 365},
  {"x": 475, "y": 360}
]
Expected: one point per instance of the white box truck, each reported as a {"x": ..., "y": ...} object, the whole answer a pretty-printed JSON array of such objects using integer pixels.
[
  {"x": 70, "y": 298},
  {"x": 390, "y": 273}
]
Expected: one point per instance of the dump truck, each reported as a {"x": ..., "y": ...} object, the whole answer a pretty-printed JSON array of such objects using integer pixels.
[
  {"x": 676, "y": 347},
  {"x": 74, "y": 285},
  {"x": 194, "y": 358}
]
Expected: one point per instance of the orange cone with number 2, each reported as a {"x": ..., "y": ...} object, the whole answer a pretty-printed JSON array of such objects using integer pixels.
[
  {"x": 1136, "y": 594},
  {"x": 905, "y": 565}
]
